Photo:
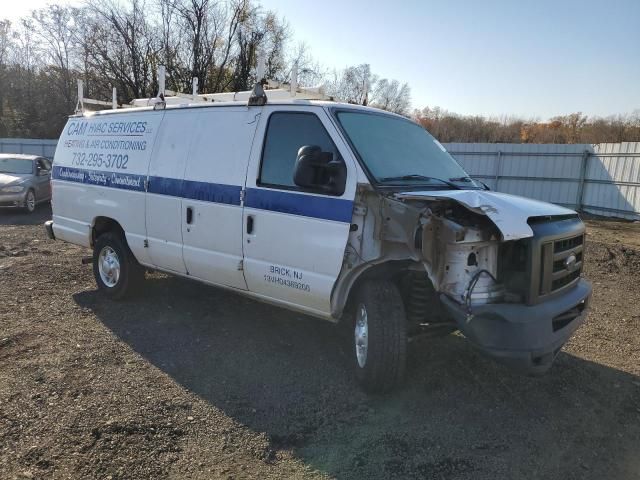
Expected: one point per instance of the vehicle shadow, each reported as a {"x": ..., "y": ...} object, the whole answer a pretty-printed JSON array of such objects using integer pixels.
[
  {"x": 10, "y": 216},
  {"x": 458, "y": 416}
]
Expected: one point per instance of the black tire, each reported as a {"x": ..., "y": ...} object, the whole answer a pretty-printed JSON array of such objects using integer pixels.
[
  {"x": 131, "y": 273},
  {"x": 30, "y": 207},
  {"x": 384, "y": 367}
]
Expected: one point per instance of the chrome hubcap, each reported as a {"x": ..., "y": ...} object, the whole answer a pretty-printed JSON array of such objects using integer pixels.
[
  {"x": 31, "y": 201},
  {"x": 109, "y": 266},
  {"x": 361, "y": 335}
]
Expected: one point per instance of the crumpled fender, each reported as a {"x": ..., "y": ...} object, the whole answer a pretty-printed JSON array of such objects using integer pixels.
[{"x": 508, "y": 212}]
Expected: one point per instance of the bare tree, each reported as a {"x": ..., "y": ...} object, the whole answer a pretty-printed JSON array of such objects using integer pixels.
[
  {"x": 353, "y": 84},
  {"x": 192, "y": 33},
  {"x": 54, "y": 28},
  {"x": 391, "y": 96},
  {"x": 221, "y": 77},
  {"x": 258, "y": 31},
  {"x": 310, "y": 72},
  {"x": 123, "y": 45},
  {"x": 5, "y": 46}
]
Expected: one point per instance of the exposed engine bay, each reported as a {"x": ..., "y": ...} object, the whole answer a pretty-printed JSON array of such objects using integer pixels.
[
  {"x": 474, "y": 246},
  {"x": 460, "y": 254}
]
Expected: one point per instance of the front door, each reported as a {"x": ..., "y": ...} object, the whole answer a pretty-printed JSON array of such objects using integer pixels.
[{"x": 294, "y": 241}]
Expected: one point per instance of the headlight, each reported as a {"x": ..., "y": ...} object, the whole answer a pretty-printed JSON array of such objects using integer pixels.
[{"x": 13, "y": 189}]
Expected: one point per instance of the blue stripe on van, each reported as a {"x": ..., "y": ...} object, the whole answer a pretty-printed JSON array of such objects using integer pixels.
[
  {"x": 326, "y": 208},
  {"x": 126, "y": 181},
  {"x": 211, "y": 192},
  {"x": 165, "y": 186},
  {"x": 194, "y": 190}
]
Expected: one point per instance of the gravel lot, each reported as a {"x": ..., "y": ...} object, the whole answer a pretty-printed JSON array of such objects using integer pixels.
[{"x": 192, "y": 382}]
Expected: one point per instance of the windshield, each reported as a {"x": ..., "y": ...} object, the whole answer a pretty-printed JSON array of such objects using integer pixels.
[
  {"x": 16, "y": 166},
  {"x": 399, "y": 152}
]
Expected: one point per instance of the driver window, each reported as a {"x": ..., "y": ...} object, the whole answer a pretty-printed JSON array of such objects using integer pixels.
[{"x": 286, "y": 133}]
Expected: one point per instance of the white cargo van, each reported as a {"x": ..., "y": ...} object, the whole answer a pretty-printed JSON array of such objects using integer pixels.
[{"x": 343, "y": 212}]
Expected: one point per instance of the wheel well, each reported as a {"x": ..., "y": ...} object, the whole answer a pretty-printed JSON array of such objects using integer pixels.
[
  {"x": 391, "y": 270},
  {"x": 103, "y": 225},
  {"x": 420, "y": 299}
]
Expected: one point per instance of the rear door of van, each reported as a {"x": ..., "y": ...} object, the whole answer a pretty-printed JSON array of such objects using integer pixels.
[
  {"x": 213, "y": 181},
  {"x": 294, "y": 241}
]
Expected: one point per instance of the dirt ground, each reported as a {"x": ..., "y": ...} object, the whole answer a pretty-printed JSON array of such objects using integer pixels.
[{"x": 191, "y": 382}]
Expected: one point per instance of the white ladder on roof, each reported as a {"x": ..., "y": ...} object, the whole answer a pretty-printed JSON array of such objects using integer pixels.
[{"x": 273, "y": 91}]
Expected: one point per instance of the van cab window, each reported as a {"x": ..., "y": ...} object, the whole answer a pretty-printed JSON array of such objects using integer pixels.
[{"x": 286, "y": 133}]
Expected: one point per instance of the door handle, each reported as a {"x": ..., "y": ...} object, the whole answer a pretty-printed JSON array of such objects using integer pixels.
[
  {"x": 189, "y": 215},
  {"x": 249, "y": 224}
]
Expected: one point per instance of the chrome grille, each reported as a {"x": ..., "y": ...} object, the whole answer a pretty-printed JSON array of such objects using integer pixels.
[{"x": 560, "y": 263}]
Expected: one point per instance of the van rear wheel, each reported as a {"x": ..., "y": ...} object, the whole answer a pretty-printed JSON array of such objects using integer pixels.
[
  {"x": 118, "y": 274},
  {"x": 379, "y": 336}
]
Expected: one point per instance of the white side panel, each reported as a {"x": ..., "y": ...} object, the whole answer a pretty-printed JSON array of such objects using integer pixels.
[
  {"x": 163, "y": 201},
  {"x": 99, "y": 168},
  {"x": 213, "y": 180},
  {"x": 301, "y": 264}
]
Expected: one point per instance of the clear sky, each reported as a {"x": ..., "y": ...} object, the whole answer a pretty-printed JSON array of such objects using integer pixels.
[
  {"x": 533, "y": 58},
  {"x": 524, "y": 57}
]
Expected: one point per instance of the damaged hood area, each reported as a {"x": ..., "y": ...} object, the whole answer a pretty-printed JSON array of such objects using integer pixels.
[{"x": 509, "y": 213}]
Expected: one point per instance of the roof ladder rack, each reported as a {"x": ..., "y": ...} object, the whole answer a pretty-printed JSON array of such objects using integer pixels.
[
  {"x": 82, "y": 100},
  {"x": 271, "y": 90}
]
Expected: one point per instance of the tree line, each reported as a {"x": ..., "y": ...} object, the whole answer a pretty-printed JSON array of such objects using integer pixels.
[
  {"x": 121, "y": 43},
  {"x": 573, "y": 128}
]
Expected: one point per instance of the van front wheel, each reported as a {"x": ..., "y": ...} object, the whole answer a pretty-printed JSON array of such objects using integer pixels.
[
  {"x": 379, "y": 336},
  {"x": 118, "y": 274}
]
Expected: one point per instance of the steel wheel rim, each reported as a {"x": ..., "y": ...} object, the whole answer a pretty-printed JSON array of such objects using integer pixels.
[
  {"x": 361, "y": 335},
  {"x": 31, "y": 201},
  {"x": 109, "y": 267}
]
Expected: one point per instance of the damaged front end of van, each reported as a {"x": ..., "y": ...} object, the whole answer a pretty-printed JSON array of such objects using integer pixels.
[{"x": 503, "y": 270}]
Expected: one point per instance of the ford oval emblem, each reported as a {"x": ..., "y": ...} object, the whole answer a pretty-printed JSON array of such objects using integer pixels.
[{"x": 570, "y": 262}]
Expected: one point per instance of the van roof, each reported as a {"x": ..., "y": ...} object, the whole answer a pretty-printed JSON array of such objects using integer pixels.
[{"x": 187, "y": 105}]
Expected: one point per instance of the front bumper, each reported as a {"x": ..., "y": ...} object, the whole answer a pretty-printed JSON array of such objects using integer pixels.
[
  {"x": 13, "y": 199},
  {"x": 525, "y": 337},
  {"x": 48, "y": 226}
]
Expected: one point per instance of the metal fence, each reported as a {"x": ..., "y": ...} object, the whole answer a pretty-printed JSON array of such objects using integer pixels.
[
  {"x": 30, "y": 146},
  {"x": 602, "y": 179}
]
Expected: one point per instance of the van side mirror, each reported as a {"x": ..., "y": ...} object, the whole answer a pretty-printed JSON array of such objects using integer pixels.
[{"x": 319, "y": 171}]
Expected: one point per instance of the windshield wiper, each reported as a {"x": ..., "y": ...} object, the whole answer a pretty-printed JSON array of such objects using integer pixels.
[
  {"x": 415, "y": 176},
  {"x": 461, "y": 179},
  {"x": 483, "y": 186}
]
